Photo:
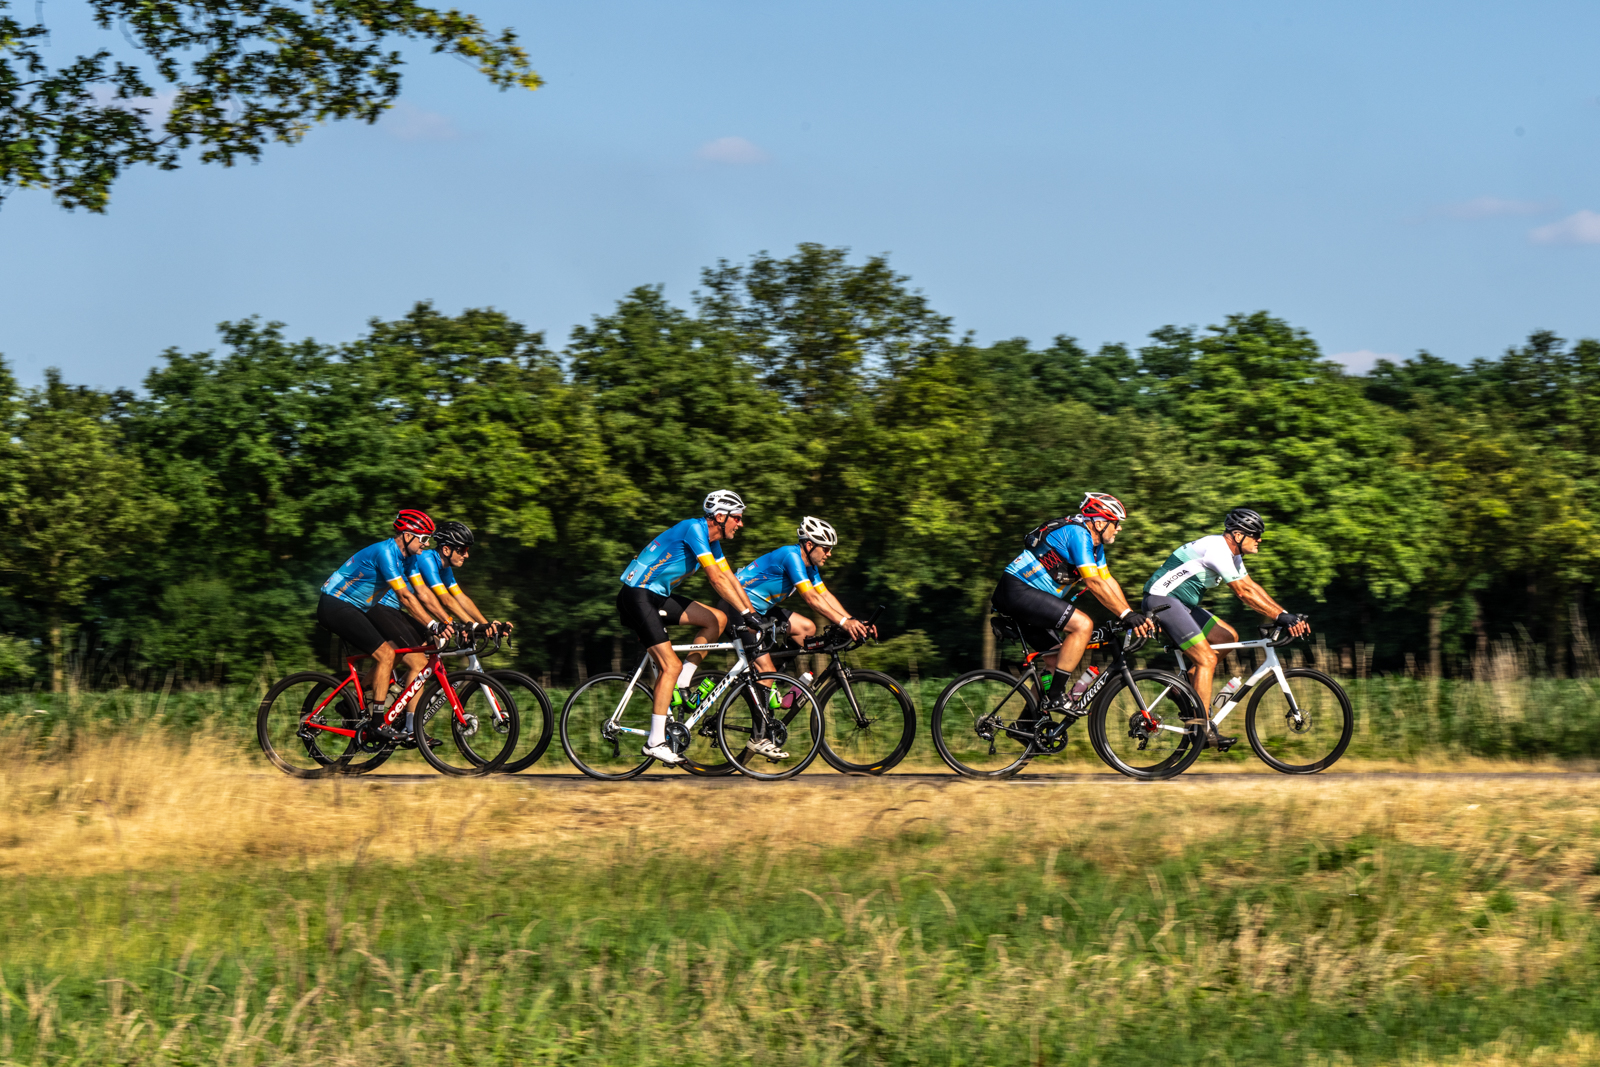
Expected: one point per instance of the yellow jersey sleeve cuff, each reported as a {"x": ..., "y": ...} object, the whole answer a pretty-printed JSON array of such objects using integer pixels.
[
  {"x": 1093, "y": 571},
  {"x": 397, "y": 584}
]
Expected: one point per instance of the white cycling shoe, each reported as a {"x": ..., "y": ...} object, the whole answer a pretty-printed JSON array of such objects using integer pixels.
[
  {"x": 765, "y": 747},
  {"x": 664, "y": 753}
]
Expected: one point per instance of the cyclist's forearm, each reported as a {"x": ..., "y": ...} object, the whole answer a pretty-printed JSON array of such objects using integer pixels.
[
  {"x": 413, "y": 604},
  {"x": 1110, "y": 594},
  {"x": 466, "y": 608},
  {"x": 725, "y": 585},
  {"x": 1256, "y": 598}
]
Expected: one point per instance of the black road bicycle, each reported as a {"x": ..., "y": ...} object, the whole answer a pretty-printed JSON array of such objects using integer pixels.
[
  {"x": 991, "y": 724},
  {"x": 871, "y": 722}
]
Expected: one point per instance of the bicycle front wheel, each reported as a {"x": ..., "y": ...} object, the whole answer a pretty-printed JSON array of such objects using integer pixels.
[
  {"x": 747, "y": 714},
  {"x": 1305, "y": 733},
  {"x": 975, "y": 725},
  {"x": 603, "y": 727},
  {"x": 476, "y": 740},
  {"x": 295, "y": 723},
  {"x": 536, "y": 719},
  {"x": 870, "y": 724},
  {"x": 1138, "y": 729}
]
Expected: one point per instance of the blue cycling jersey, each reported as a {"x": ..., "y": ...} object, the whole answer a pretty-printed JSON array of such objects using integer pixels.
[
  {"x": 769, "y": 579},
  {"x": 1069, "y": 551},
  {"x": 357, "y": 581},
  {"x": 425, "y": 570},
  {"x": 672, "y": 556}
]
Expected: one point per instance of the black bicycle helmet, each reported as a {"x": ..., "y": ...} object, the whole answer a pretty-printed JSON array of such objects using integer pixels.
[
  {"x": 454, "y": 534},
  {"x": 1245, "y": 521}
]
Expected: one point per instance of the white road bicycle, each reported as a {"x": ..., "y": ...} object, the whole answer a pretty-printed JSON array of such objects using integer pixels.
[
  {"x": 605, "y": 722},
  {"x": 1298, "y": 720}
]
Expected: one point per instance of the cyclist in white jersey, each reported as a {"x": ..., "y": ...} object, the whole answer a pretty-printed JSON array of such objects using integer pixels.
[{"x": 1172, "y": 595}]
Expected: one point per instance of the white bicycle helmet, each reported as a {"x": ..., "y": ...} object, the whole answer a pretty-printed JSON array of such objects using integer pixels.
[
  {"x": 725, "y": 502},
  {"x": 817, "y": 532}
]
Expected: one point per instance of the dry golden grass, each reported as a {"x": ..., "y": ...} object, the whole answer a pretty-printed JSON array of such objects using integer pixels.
[{"x": 141, "y": 801}]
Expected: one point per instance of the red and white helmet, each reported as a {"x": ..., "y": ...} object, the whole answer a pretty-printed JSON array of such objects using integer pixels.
[
  {"x": 411, "y": 521},
  {"x": 1102, "y": 506}
]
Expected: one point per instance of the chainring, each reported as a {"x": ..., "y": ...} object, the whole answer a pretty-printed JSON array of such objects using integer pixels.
[{"x": 678, "y": 737}]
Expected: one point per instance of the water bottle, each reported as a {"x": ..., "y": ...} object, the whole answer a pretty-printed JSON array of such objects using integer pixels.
[
  {"x": 701, "y": 691},
  {"x": 805, "y": 679},
  {"x": 1085, "y": 680},
  {"x": 1227, "y": 691}
]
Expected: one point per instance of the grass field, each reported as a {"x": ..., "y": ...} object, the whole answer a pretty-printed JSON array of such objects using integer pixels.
[{"x": 168, "y": 902}]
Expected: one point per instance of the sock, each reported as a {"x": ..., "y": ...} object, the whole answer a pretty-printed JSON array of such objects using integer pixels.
[
  {"x": 658, "y": 729},
  {"x": 686, "y": 675}
]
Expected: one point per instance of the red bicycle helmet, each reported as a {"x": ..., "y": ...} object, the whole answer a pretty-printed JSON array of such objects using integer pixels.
[
  {"x": 1102, "y": 506},
  {"x": 412, "y": 521}
]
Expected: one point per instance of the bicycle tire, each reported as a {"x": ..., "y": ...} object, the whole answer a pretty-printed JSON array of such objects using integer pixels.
[
  {"x": 1111, "y": 722},
  {"x": 846, "y": 739},
  {"x": 1333, "y": 710},
  {"x": 536, "y": 720},
  {"x": 483, "y": 742},
  {"x": 301, "y": 753},
  {"x": 970, "y": 703},
  {"x": 735, "y": 715},
  {"x": 584, "y": 715}
]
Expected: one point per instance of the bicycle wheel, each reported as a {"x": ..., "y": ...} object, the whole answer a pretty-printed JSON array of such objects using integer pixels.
[
  {"x": 974, "y": 724},
  {"x": 702, "y": 757},
  {"x": 604, "y": 724},
  {"x": 746, "y": 713},
  {"x": 292, "y": 719},
  {"x": 479, "y": 739},
  {"x": 536, "y": 720},
  {"x": 1139, "y": 746},
  {"x": 1304, "y": 737},
  {"x": 869, "y": 726}
]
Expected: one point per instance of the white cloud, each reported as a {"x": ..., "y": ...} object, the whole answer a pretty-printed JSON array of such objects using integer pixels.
[
  {"x": 1580, "y": 228},
  {"x": 734, "y": 150},
  {"x": 1363, "y": 360},
  {"x": 411, "y": 123},
  {"x": 1493, "y": 207}
]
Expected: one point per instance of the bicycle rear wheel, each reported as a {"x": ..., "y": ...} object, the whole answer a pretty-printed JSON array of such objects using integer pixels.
[
  {"x": 1138, "y": 745},
  {"x": 536, "y": 719},
  {"x": 292, "y": 722},
  {"x": 869, "y": 726},
  {"x": 479, "y": 739},
  {"x": 746, "y": 714},
  {"x": 975, "y": 725},
  {"x": 603, "y": 727},
  {"x": 1306, "y": 736}
]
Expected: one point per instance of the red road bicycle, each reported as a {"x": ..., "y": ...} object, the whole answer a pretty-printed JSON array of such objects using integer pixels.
[{"x": 311, "y": 724}]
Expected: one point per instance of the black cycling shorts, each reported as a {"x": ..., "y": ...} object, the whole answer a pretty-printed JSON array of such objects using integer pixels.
[
  {"x": 348, "y": 622},
  {"x": 1037, "y": 614},
  {"x": 401, "y": 629},
  {"x": 648, "y": 614}
]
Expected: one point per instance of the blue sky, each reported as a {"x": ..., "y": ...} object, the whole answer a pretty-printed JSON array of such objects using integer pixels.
[{"x": 1388, "y": 176}]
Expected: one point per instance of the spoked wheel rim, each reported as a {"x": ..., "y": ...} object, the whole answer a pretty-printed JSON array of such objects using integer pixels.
[
  {"x": 475, "y": 741},
  {"x": 1305, "y": 738},
  {"x": 975, "y": 725},
  {"x": 882, "y": 741},
  {"x": 795, "y": 726},
  {"x": 589, "y": 738},
  {"x": 1142, "y": 742},
  {"x": 291, "y": 722},
  {"x": 535, "y": 719}
]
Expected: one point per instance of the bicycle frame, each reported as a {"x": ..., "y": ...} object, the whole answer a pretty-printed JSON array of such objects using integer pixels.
[
  {"x": 1272, "y": 666},
  {"x": 435, "y": 666},
  {"x": 736, "y": 676},
  {"x": 1031, "y": 673}
]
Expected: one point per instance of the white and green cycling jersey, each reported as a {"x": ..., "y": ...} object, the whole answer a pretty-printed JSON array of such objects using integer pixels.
[{"x": 1194, "y": 568}]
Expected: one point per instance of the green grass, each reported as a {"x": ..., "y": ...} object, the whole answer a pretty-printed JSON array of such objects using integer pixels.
[{"x": 940, "y": 942}]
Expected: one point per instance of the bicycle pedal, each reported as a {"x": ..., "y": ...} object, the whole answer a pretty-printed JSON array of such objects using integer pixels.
[{"x": 1225, "y": 743}]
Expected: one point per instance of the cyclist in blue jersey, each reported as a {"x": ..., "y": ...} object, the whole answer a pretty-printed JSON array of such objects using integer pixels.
[
  {"x": 349, "y": 592},
  {"x": 436, "y": 573},
  {"x": 648, "y": 603},
  {"x": 1039, "y": 587},
  {"x": 770, "y": 579}
]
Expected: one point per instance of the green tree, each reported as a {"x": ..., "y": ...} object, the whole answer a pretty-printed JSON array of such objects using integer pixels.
[
  {"x": 74, "y": 502},
  {"x": 243, "y": 73}
]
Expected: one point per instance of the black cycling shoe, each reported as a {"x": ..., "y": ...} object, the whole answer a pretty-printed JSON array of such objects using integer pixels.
[{"x": 1212, "y": 738}]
